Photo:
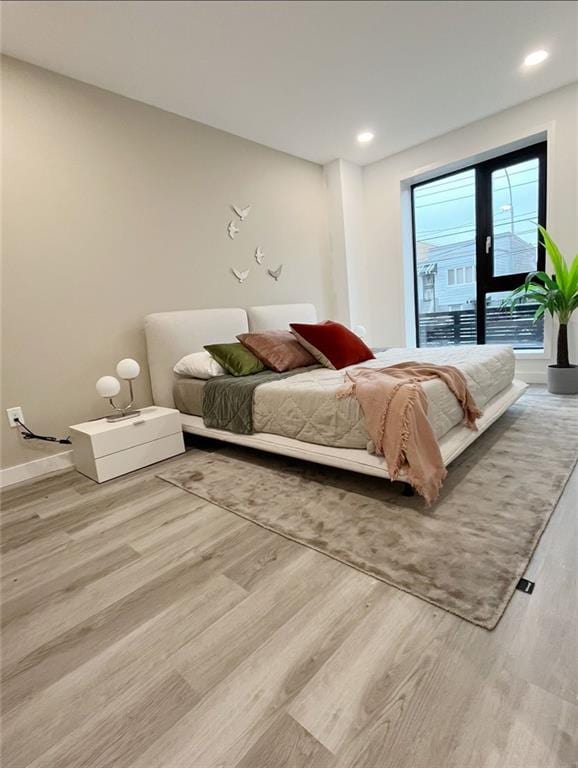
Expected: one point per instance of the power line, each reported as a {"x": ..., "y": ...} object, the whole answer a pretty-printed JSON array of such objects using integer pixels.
[
  {"x": 465, "y": 231},
  {"x": 527, "y": 216},
  {"x": 472, "y": 196},
  {"x": 441, "y": 188},
  {"x": 517, "y": 219}
]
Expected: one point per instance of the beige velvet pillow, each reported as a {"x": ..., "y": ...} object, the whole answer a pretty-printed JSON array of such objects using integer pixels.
[{"x": 278, "y": 350}]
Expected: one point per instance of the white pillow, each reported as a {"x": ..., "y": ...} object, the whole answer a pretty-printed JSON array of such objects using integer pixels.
[{"x": 199, "y": 365}]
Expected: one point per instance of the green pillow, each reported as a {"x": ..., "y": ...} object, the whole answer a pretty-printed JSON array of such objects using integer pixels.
[{"x": 235, "y": 358}]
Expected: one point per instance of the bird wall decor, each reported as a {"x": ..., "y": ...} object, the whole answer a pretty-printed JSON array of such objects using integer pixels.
[
  {"x": 242, "y": 213},
  {"x": 275, "y": 273},
  {"x": 233, "y": 230},
  {"x": 240, "y": 275}
]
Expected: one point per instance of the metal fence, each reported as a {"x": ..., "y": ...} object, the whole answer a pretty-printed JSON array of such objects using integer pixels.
[{"x": 437, "y": 329}]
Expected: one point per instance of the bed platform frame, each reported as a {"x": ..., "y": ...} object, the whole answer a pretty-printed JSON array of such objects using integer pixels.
[{"x": 171, "y": 335}]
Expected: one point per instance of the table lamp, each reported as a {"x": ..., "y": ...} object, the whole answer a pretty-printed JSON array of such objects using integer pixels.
[{"x": 109, "y": 386}]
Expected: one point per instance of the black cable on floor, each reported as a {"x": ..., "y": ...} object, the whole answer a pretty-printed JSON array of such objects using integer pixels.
[{"x": 28, "y": 434}]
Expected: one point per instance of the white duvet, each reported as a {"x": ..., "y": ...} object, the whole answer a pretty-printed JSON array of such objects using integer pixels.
[{"x": 305, "y": 406}]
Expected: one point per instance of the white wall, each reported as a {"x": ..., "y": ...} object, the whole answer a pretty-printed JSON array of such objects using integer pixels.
[
  {"x": 332, "y": 175},
  {"x": 354, "y": 228},
  {"x": 344, "y": 183},
  {"x": 386, "y": 225},
  {"x": 113, "y": 209}
]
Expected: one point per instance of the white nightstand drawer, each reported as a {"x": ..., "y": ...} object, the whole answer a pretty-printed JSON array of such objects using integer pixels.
[
  {"x": 121, "y": 462},
  {"x": 111, "y": 437}
]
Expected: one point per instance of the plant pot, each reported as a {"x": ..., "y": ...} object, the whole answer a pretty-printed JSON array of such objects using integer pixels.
[{"x": 563, "y": 381}]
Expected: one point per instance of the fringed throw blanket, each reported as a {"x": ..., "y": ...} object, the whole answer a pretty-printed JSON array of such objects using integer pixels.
[{"x": 395, "y": 409}]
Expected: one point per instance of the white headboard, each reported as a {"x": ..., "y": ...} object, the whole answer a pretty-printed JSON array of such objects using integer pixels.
[
  {"x": 171, "y": 335},
  {"x": 278, "y": 316}
]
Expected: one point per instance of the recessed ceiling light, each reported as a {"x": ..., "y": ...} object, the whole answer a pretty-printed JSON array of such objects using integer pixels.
[
  {"x": 365, "y": 137},
  {"x": 536, "y": 57}
]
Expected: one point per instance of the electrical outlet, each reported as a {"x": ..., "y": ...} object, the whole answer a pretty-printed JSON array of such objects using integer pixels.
[{"x": 14, "y": 413}]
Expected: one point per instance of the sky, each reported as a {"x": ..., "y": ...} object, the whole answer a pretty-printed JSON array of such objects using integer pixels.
[{"x": 445, "y": 210}]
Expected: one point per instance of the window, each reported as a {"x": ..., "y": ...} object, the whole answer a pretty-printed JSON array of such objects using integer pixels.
[
  {"x": 479, "y": 226},
  {"x": 428, "y": 287}
]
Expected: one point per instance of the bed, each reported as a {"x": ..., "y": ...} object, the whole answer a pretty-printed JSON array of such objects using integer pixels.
[{"x": 300, "y": 416}]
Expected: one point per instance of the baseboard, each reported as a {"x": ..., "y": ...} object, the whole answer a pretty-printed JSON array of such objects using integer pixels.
[
  {"x": 35, "y": 468},
  {"x": 532, "y": 371},
  {"x": 532, "y": 377}
]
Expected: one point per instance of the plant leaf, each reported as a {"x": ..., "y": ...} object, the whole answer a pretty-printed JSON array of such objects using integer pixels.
[
  {"x": 557, "y": 296},
  {"x": 556, "y": 258},
  {"x": 546, "y": 279},
  {"x": 572, "y": 286}
]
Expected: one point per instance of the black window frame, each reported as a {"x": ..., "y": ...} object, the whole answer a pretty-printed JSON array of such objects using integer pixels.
[{"x": 486, "y": 281}]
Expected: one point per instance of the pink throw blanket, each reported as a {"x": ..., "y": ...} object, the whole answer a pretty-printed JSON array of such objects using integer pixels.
[{"x": 395, "y": 409}]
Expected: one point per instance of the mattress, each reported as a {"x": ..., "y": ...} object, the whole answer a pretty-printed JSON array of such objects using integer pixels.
[
  {"x": 306, "y": 408},
  {"x": 188, "y": 395}
]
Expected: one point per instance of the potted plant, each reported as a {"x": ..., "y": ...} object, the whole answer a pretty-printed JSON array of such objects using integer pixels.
[{"x": 557, "y": 295}]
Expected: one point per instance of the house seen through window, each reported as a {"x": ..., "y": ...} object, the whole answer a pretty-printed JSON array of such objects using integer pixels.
[{"x": 475, "y": 240}]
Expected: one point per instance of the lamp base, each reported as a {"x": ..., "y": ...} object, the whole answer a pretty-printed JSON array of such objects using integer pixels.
[{"x": 122, "y": 416}]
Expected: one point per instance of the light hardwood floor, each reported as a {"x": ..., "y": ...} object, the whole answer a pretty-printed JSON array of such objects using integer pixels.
[{"x": 145, "y": 627}]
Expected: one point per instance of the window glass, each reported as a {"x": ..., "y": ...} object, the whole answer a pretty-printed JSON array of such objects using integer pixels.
[
  {"x": 515, "y": 218},
  {"x": 517, "y": 328},
  {"x": 445, "y": 241},
  {"x": 475, "y": 239}
]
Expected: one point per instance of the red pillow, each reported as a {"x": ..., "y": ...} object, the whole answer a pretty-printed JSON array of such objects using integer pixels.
[{"x": 332, "y": 344}]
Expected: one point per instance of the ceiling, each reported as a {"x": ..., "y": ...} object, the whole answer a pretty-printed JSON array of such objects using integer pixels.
[{"x": 306, "y": 77}]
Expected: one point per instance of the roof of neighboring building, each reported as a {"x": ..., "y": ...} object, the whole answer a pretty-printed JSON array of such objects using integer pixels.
[{"x": 505, "y": 242}]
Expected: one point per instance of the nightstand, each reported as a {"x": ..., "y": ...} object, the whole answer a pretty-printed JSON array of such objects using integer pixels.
[{"x": 106, "y": 449}]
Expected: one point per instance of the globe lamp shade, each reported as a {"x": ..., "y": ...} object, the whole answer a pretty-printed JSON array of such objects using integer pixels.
[
  {"x": 108, "y": 386},
  {"x": 128, "y": 369}
]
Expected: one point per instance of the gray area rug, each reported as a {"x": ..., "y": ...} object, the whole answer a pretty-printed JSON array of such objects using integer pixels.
[{"x": 465, "y": 554}]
